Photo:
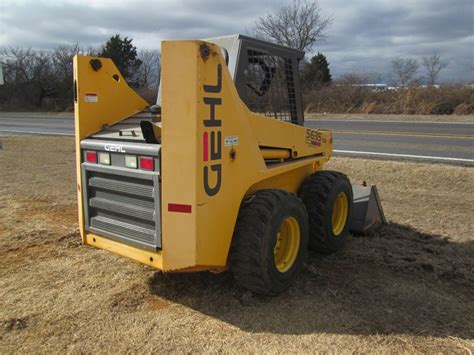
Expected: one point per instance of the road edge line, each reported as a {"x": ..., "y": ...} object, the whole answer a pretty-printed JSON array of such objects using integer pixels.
[
  {"x": 35, "y": 132},
  {"x": 355, "y": 152}
]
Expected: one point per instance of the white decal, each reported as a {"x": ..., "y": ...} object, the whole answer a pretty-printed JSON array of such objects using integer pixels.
[
  {"x": 231, "y": 141},
  {"x": 91, "y": 97}
]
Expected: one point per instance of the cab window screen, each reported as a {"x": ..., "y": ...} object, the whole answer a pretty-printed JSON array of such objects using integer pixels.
[{"x": 270, "y": 86}]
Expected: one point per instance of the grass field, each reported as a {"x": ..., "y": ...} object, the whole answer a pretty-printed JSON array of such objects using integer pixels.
[
  {"x": 405, "y": 288},
  {"x": 415, "y": 100}
]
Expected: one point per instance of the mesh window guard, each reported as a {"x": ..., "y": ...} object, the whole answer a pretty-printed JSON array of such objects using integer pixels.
[{"x": 270, "y": 86}]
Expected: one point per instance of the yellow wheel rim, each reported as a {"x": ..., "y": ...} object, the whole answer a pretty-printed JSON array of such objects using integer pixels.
[
  {"x": 340, "y": 210},
  {"x": 287, "y": 244}
]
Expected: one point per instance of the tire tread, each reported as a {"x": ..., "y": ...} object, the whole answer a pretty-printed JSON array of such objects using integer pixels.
[
  {"x": 314, "y": 193},
  {"x": 245, "y": 258}
]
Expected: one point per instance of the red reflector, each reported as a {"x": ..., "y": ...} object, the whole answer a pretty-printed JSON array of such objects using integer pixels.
[
  {"x": 91, "y": 157},
  {"x": 147, "y": 163},
  {"x": 176, "y": 207},
  {"x": 205, "y": 146}
]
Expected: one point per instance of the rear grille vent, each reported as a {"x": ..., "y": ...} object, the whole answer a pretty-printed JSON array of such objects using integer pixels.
[{"x": 123, "y": 208}]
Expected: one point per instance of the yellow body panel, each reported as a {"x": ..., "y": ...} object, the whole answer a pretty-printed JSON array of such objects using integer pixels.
[
  {"x": 101, "y": 98},
  {"x": 212, "y": 157},
  {"x": 302, "y": 141},
  {"x": 144, "y": 256}
]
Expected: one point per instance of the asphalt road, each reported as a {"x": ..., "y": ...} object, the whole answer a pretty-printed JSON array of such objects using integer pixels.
[
  {"x": 428, "y": 141},
  {"x": 436, "y": 141}
]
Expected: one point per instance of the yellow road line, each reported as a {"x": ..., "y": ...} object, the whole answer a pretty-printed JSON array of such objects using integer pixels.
[{"x": 406, "y": 134}]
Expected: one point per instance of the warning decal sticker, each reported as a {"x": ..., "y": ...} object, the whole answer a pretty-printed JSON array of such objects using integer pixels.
[
  {"x": 231, "y": 141},
  {"x": 91, "y": 97}
]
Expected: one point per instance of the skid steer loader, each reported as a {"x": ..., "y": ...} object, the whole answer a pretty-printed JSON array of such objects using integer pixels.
[{"x": 223, "y": 175}]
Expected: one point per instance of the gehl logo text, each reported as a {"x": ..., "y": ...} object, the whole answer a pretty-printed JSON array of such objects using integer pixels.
[{"x": 212, "y": 137}]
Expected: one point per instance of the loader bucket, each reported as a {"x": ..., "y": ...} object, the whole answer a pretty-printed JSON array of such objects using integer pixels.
[{"x": 367, "y": 211}]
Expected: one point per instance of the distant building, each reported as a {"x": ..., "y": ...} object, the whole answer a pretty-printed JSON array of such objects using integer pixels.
[
  {"x": 371, "y": 87},
  {"x": 374, "y": 87}
]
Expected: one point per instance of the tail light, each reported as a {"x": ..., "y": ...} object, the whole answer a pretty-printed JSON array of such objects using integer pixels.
[
  {"x": 91, "y": 156},
  {"x": 147, "y": 163}
]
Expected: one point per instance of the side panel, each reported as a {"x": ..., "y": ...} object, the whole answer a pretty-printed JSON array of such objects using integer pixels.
[
  {"x": 278, "y": 134},
  {"x": 101, "y": 97},
  {"x": 179, "y": 152},
  {"x": 222, "y": 179}
]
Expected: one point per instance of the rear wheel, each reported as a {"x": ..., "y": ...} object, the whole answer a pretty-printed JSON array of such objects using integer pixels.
[
  {"x": 270, "y": 242},
  {"x": 327, "y": 196}
]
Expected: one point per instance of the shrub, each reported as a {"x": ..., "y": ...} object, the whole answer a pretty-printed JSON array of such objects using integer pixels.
[{"x": 444, "y": 100}]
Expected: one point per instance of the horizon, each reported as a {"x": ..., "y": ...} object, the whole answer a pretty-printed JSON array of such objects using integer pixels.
[{"x": 364, "y": 37}]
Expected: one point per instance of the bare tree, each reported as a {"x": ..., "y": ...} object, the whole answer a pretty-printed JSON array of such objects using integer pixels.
[
  {"x": 433, "y": 66},
  {"x": 32, "y": 72},
  {"x": 148, "y": 75},
  {"x": 298, "y": 25},
  {"x": 404, "y": 70},
  {"x": 36, "y": 79},
  {"x": 62, "y": 60},
  {"x": 1, "y": 74}
]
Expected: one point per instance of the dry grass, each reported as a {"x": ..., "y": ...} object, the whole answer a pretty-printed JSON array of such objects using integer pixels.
[
  {"x": 405, "y": 288},
  {"x": 446, "y": 100}
]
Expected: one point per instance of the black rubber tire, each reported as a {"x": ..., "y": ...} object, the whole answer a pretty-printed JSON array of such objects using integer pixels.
[
  {"x": 319, "y": 192},
  {"x": 251, "y": 256}
]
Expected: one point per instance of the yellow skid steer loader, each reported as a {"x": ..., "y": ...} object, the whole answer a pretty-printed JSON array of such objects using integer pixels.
[{"x": 223, "y": 175}]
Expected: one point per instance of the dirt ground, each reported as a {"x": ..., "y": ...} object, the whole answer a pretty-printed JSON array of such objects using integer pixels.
[
  {"x": 390, "y": 117},
  {"x": 405, "y": 288}
]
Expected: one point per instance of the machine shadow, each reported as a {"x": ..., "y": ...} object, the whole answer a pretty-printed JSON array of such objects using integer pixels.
[{"x": 396, "y": 280}]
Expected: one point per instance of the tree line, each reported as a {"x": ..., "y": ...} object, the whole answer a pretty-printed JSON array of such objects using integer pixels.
[
  {"x": 43, "y": 80},
  {"x": 36, "y": 79},
  {"x": 403, "y": 72}
]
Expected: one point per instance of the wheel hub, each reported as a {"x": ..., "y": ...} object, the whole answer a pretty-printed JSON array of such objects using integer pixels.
[
  {"x": 287, "y": 244},
  {"x": 340, "y": 211}
]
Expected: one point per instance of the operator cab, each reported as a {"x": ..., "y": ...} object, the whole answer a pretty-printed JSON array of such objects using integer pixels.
[{"x": 266, "y": 76}]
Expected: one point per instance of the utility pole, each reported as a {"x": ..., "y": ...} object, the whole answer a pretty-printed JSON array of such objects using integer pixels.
[{"x": 1, "y": 74}]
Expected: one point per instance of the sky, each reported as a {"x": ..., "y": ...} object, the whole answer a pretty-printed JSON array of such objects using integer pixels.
[{"x": 365, "y": 35}]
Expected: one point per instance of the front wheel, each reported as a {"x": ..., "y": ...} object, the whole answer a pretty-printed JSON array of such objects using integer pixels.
[
  {"x": 270, "y": 242},
  {"x": 327, "y": 196}
]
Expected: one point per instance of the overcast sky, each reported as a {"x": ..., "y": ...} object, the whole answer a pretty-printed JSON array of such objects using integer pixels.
[{"x": 364, "y": 36}]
